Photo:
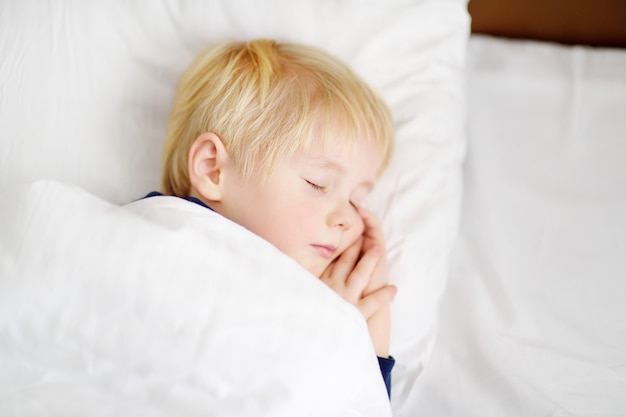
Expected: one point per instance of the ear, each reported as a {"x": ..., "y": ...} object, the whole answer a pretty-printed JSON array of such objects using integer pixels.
[{"x": 207, "y": 160}]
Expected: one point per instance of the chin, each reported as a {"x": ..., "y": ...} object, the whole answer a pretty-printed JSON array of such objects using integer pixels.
[{"x": 316, "y": 270}]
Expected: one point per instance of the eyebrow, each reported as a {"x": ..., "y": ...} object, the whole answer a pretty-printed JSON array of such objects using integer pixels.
[
  {"x": 328, "y": 164},
  {"x": 325, "y": 163}
]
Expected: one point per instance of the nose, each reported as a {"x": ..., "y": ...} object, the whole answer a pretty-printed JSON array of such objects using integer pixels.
[{"x": 341, "y": 216}]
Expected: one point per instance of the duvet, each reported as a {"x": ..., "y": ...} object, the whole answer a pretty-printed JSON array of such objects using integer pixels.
[{"x": 162, "y": 307}]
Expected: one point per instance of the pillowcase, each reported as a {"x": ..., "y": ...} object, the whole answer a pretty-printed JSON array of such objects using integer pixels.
[
  {"x": 87, "y": 89},
  {"x": 534, "y": 310}
]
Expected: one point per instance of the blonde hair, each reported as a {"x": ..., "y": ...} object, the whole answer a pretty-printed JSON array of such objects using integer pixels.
[{"x": 267, "y": 100}]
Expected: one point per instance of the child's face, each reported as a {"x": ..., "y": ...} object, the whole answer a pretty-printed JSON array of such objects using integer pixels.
[{"x": 306, "y": 207}]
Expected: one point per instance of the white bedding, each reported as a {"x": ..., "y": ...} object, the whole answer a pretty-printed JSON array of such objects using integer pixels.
[
  {"x": 111, "y": 311},
  {"x": 533, "y": 321},
  {"x": 85, "y": 92},
  {"x": 164, "y": 308}
]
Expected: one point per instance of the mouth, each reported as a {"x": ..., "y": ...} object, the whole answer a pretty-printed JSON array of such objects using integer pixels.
[{"x": 327, "y": 251}]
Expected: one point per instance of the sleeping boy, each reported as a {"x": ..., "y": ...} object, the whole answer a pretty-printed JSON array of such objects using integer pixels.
[{"x": 287, "y": 141}]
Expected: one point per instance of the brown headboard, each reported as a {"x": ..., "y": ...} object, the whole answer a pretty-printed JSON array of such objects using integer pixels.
[{"x": 589, "y": 22}]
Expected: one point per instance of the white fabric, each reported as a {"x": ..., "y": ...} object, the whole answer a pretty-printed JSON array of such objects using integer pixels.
[
  {"x": 87, "y": 88},
  {"x": 164, "y": 307},
  {"x": 533, "y": 321}
]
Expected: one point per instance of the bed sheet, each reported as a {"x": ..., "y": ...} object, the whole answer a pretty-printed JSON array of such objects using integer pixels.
[{"x": 533, "y": 322}]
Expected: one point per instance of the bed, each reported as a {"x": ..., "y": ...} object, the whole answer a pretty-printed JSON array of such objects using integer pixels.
[
  {"x": 532, "y": 319},
  {"x": 503, "y": 208}
]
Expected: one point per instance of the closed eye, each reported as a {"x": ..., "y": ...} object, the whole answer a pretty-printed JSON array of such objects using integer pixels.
[{"x": 316, "y": 186}]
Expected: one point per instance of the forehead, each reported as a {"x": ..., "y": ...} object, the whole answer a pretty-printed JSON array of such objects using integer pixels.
[
  {"x": 362, "y": 158},
  {"x": 331, "y": 135},
  {"x": 332, "y": 125}
]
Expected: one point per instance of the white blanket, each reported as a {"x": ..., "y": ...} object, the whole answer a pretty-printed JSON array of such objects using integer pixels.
[{"x": 163, "y": 308}]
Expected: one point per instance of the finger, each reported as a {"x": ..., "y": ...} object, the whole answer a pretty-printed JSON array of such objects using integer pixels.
[
  {"x": 345, "y": 263},
  {"x": 368, "y": 217},
  {"x": 345, "y": 258},
  {"x": 372, "y": 229},
  {"x": 376, "y": 300},
  {"x": 360, "y": 276}
]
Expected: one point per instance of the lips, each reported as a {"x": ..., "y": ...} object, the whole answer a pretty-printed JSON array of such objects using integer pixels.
[{"x": 327, "y": 251}]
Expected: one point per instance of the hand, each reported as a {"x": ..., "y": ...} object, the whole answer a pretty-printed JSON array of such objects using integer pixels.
[
  {"x": 359, "y": 275},
  {"x": 352, "y": 272},
  {"x": 373, "y": 237},
  {"x": 379, "y": 323}
]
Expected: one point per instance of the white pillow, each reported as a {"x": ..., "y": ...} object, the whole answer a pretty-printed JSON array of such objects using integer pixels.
[
  {"x": 534, "y": 311},
  {"x": 87, "y": 89}
]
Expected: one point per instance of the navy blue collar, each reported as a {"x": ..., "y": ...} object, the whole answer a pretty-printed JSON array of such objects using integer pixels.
[{"x": 192, "y": 199}]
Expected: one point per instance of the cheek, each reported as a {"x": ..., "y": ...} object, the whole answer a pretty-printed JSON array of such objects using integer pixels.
[{"x": 280, "y": 220}]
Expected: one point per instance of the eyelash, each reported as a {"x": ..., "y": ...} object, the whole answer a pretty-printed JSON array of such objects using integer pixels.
[
  {"x": 323, "y": 189},
  {"x": 316, "y": 187}
]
